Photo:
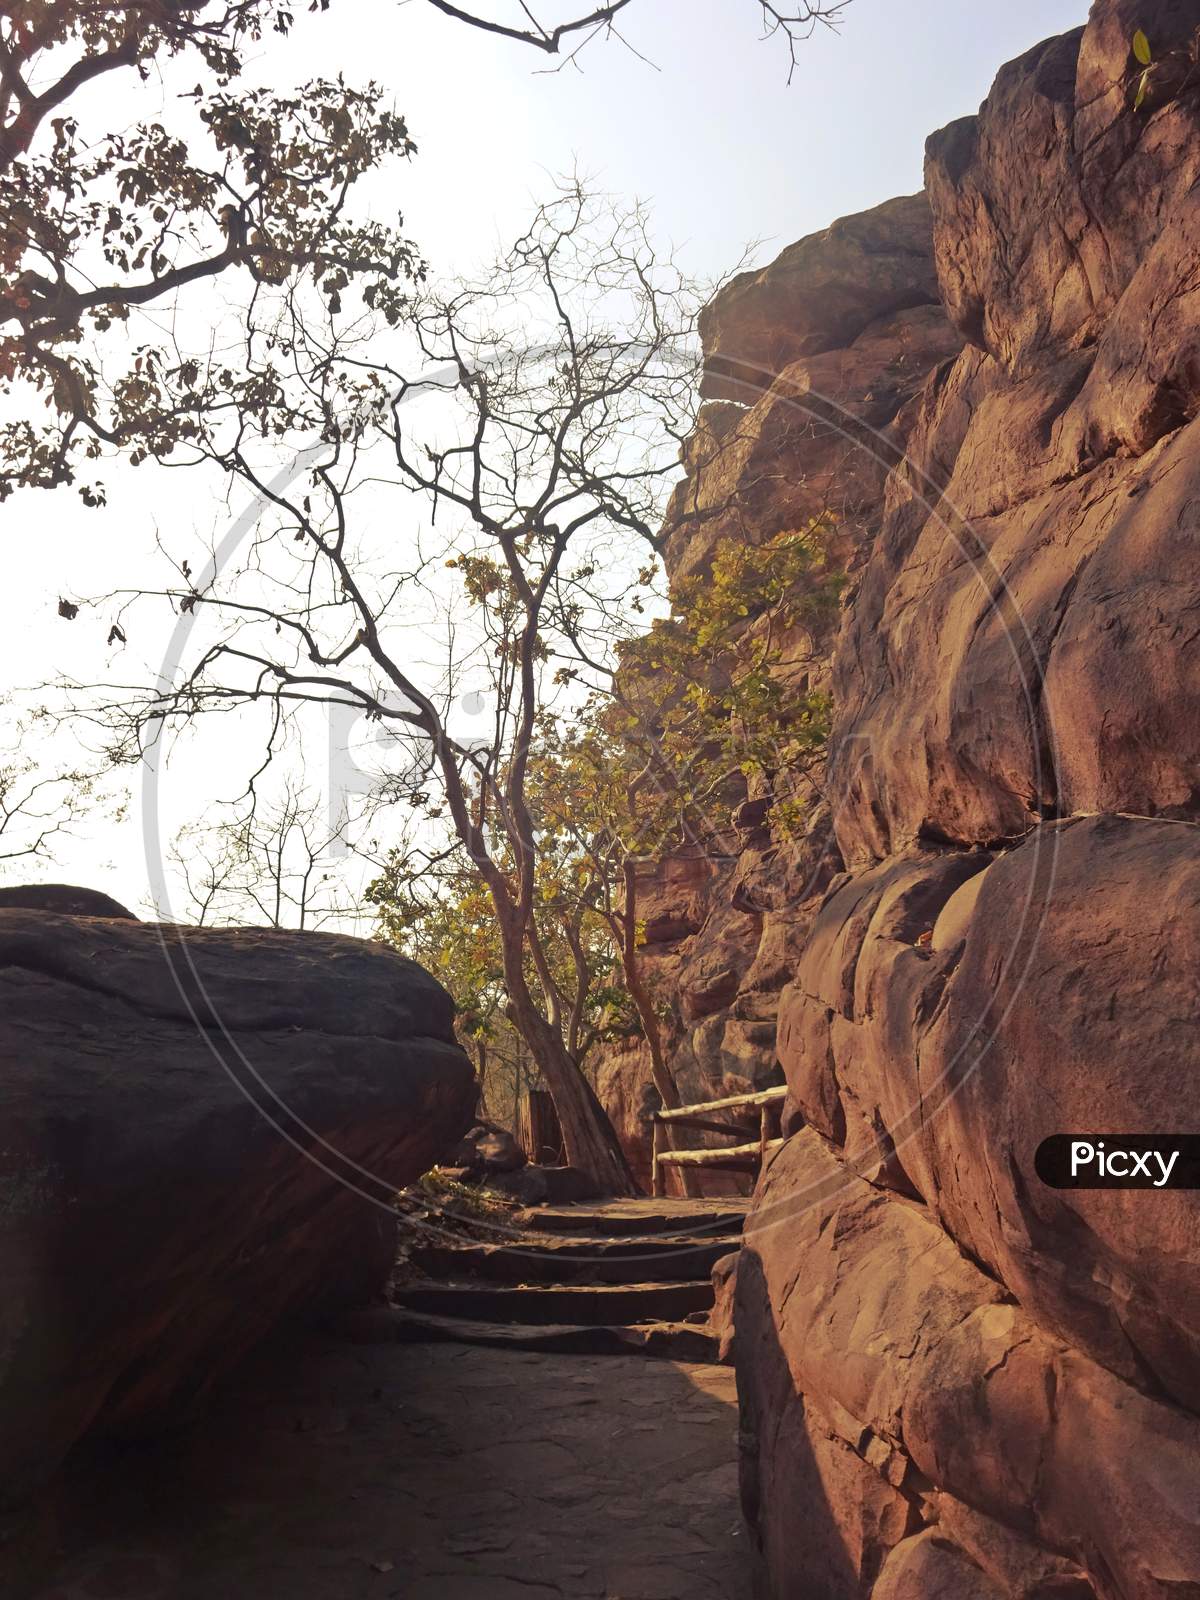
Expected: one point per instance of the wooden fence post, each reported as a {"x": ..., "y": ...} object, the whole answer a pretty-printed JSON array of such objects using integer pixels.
[{"x": 657, "y": 1176}]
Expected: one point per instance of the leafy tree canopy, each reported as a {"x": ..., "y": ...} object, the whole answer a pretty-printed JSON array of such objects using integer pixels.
[{"x": 98, "y": 230}]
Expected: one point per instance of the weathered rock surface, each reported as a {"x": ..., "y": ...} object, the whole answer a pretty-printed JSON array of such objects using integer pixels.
[
  {"x": 1019, "y": 646},
  {"x": 865, "y": 1338},
  {"x": 487, "y": 1148},
  {"x": 955, "y": 1380},
  {"x": 816, "y": 440},
  {"x": 536, "y": 1185},
  {"x": 819, "y": 295},
  {"x": 201, "y": 1133},
  {"x": 1074, "y": 1008}
]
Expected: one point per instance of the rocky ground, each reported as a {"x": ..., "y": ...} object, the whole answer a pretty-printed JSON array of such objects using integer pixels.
[{"x": 333, "y": 1471}]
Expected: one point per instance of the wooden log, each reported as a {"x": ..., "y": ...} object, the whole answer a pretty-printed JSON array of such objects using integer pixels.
[
  {"x": 772, "y": 1116},
  {"x": 658, "y": 1183},
  {"x": 747, "y": 1156},
  {"x": 759, "y": 1098}
]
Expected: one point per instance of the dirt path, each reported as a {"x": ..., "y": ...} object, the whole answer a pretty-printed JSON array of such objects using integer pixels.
[{"x": 334, "y": 1471}]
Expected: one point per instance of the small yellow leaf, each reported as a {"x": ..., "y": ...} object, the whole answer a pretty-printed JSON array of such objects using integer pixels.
[
  {"x": 1141, "y": 48},
  {"x": 1141, "y": 89}
]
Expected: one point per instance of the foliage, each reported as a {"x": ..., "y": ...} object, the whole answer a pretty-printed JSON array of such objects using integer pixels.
[
  {"x": 474, "y": 1200},
  {"x": 1140, "y": 46},
  {"x": 449, "y": 926},
  {"x": 705, "y": 702},
  {"x": 715, "y": 699},
  {"x": 99, "y": 229},
  {"x": 107, "y": 230},
  {"x": 443, "y": 917}
]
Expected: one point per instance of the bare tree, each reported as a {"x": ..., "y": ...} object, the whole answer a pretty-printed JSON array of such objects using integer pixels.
[
  {"x": 40, "y": 806},
  {"x": 556, "y": 391},
  {"x": 269, "y": 863},
  {"x": 98, "y": 228},
  {"x": 574, "y": 34}
]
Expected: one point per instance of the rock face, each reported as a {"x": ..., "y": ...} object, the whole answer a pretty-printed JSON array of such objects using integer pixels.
[
  {"x": 820, "y": 294},
  {"x": 201, "y": 1133},
  {"x": 833, "y": 343},
  {"x": 890, "y": 1388},
  {"x": 1020, "y": 644},
  {"x": 954, "y": 1380}
]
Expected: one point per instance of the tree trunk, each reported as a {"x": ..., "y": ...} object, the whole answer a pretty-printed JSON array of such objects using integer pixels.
[
  {"x": 541, "y": 1136},
  {"x": 589, "y": 1138},
  {"x": 660, "y": 1071},
  {"x": 481, "y": 1064}
]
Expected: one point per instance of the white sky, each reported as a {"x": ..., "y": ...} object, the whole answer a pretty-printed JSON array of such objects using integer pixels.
[{"x": 711, "y": 134}]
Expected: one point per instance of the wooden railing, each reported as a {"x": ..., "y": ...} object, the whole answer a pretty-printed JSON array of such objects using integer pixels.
[{"x": 755, "y": 1138}]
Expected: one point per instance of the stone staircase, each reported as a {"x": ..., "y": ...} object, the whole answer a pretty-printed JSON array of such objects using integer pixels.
[{"x": 631, "y": 1275}]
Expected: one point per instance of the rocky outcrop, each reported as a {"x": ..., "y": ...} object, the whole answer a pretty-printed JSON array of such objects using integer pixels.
[
  {"x": 202, "y": 1131},
  {"x": 821, "y": 294},
  {"x": 484, "y": 1149},
  {"x": 955, "y": 1380},
  {"x": 882, "y": 1375}
]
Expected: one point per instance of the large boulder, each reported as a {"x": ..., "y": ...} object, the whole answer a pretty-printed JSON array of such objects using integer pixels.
[
  {"x": 67, "y": 898},
  {"x": 202, "y": 1131},
  {"x": 1075, "y": 1009}
]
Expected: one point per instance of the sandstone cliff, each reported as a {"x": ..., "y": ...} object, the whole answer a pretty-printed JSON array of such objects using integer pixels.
[{"x": 955, "y": 1381}]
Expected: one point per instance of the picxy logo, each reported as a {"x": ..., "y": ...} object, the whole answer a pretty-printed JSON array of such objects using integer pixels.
[{"x": 1119, "y": 1161}]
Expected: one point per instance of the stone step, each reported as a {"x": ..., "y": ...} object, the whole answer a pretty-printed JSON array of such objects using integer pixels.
[
  {"x": 625, "y": 1219},
  {"x": 573, "y": 1261},
  {"x": 666, "y": 1341},
  {"x": 574, "y": 1304}
]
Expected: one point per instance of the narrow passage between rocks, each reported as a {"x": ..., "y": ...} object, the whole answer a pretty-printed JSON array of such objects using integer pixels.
[{"x": 330, "y": 1469}]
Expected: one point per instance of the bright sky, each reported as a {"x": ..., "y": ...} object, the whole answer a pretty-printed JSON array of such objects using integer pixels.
[{"x": 706, "y": 128}]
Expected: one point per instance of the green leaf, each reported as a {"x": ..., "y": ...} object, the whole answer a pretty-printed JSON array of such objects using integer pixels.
[
  {"x": 1141, "y": 89},
  {"x": 1141, "y": 48}
]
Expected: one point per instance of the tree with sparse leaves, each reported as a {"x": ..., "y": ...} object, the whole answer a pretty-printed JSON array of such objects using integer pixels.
[
  {"x": 711, "y": 702},
  {"x": 267, "y": 863},
  {"x": 441, "y": 915},
  {"x": 41, "y": 805},
  {"x": 499, "y": 510},
  {"x": 94, "y": 231}
]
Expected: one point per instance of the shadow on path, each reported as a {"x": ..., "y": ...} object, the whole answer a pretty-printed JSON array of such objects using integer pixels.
[{"x": 331, "y": 1471}]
